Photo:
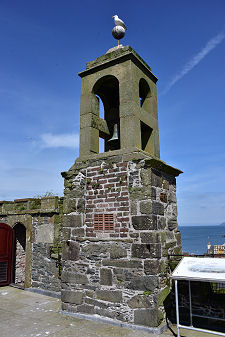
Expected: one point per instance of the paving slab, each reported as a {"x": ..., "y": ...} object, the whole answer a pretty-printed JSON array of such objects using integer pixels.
[{"x": 28, "y": 314}]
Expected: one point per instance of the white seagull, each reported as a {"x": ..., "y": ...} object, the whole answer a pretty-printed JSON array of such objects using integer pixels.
[{"x": 119, "y": 22}]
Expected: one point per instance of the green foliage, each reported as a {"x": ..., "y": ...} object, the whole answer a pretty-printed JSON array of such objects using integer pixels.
[
  {"x": 46, "y": 194},
  {"x": 147, "y": 293},
  {"x": 101, "y": 170},
  {"x": 110, "y": 165},
  {"x": 88, "y": 181},
  {"x": 35, "y": 204},
  {"x": 95, "y": 185},
  {"x": 120, "y": 281}
]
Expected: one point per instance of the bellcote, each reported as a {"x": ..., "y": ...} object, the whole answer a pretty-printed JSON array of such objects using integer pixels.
[{"x": 127, "y": 88}]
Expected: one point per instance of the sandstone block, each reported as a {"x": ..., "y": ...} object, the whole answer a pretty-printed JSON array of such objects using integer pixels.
[
  {"x": 146, "y": 177},
  {"x": 73, "y": 220},
  {"x": 139, "y": 301},
  {"x": 75, "y": 278},
  {"x": 66, "y": 234},
  {"x": 122, "y": 263},
  {"x": 85, "y": 308},
  {"x": 147, "y": 317},
  {"x": 146, "y": 207},
  {"x": 74, "y": 297},
  {"x": 145, "y": 283},
  {"x": 144, "y": 222},
  {"x": 106, "y": 276},
  {"x": 71, "y": 250},
  {"x": 149, "y": 237},
  {"x": 157, "y": 208},
  {"x": 69, "y": 205},
  {"x": 143, "y": 251},
  {"x": 151, "y": 267},
  {"x": 117, "y": 252},
  {"x": 77, "y": 232},
  {"x": 109, "y": 295},
  {"x": 93, "y": 250}
]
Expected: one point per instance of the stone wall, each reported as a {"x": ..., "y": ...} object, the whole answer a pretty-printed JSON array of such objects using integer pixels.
[
  {"x": 37, "y": 260},
  {"x": 122, "y": 273}
]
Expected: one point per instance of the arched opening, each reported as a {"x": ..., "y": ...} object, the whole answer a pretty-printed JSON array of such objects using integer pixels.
[
  {"x": 144, "y": 94},
  {"x": 106, "y": 92},
  {"x": 19, "y": 254},
  {"x": 5, "y": 253},
  {"x": 145, "y": 104}
]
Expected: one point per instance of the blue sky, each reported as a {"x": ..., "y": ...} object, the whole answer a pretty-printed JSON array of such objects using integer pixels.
[{"x": 44, "y": 44}]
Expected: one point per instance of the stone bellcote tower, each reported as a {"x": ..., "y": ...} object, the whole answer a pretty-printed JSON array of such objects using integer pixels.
[
  {"x": 127, "y": 88},
  {"x": 120, "y": 209}
]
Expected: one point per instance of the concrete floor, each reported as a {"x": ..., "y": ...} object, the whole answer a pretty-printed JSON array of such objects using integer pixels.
[{"x": 27, "y": 314}]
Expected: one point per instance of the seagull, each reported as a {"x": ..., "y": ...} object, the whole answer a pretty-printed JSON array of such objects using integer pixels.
[{"x": 119, "y": 22}]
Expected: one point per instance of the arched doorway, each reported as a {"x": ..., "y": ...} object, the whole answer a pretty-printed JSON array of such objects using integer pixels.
[
  {"x": 5, "y": 253},
  {"x": 19, "y": 254}
]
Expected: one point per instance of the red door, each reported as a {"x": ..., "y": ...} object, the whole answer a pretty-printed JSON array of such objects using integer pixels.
[{"x": 5, "y": 253}]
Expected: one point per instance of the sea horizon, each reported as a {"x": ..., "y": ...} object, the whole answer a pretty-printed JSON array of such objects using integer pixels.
[
  {"x": 199, "y": 225},
  {"x": 195, "y": 238}
]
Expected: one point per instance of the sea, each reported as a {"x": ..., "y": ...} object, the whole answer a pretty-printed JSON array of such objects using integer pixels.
[{"x": 195, "y": 238}]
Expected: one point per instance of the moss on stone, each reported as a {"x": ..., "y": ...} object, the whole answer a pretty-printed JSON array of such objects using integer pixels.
[
  {"x": 162, "y": 296},
  {"x": 35, "y": 204}
]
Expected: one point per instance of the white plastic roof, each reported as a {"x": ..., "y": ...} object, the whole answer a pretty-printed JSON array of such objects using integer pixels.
[{"x": 205, "y": 269}]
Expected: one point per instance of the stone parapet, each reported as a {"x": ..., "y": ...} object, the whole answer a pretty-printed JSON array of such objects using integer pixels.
[{"x": 30, "y": 205}]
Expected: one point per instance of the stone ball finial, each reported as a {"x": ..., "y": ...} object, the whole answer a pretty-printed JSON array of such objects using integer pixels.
[{"x": 118, "y": 32}]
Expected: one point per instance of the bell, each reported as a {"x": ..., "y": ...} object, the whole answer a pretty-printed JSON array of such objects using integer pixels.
[{"x": 115, "y": 133}]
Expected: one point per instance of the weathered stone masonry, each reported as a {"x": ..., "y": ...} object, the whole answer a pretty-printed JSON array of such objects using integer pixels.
[
  {"x": 122, "y": 273},
  {"x": 37, "y": 242},
  {"x": 120, "y": 213}
]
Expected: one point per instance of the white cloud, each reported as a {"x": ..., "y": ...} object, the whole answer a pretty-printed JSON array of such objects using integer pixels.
[
  {"x": 210, "y": 45},
  {"x": 61, "y": 140}
]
